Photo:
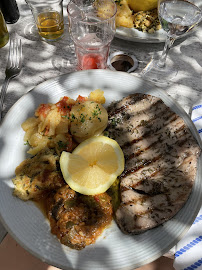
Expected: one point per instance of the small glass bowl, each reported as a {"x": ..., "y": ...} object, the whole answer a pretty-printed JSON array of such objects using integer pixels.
[{"x": 122, "y": 61}]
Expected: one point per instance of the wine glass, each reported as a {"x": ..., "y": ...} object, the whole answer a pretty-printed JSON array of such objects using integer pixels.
[{"x": 177, "y": 17}]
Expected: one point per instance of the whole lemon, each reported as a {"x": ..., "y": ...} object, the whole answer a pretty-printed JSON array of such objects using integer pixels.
[{"x": 144, "y": 5}]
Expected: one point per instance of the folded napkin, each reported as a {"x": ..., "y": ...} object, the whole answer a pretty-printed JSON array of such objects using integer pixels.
[{"x": 188, "y": 255}]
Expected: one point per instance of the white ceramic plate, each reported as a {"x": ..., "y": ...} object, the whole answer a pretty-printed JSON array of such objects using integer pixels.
[
  {"x": 25, "y": 222},
  {"x": 135, "y": 35}
]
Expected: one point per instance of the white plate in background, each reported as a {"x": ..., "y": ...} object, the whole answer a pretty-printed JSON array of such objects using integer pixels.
[{"x": 135, "y": 35}]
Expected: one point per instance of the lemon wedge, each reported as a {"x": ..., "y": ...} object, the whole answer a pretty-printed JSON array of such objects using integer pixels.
[
  {"x": 144, "y": 5},
  {"x": 93, "y": 166}
]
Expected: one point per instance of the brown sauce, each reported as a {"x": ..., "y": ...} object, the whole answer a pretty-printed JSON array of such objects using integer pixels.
[
  {"x": 77, "y": 220},
  {"x": 41, "y": 203}
]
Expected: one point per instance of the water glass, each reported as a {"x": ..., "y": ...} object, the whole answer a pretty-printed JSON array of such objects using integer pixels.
[
  {"x": 48, "y": 16},
  {"x": 4, "y": 36},
  {"x": 92, "y": 28}
]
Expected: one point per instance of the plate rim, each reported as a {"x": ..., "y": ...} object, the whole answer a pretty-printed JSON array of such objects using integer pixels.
[{"x": 56, "y": 79}]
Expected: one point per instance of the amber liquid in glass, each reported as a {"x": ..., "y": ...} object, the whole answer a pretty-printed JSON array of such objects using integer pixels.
[{"x": 50, "y": 25}]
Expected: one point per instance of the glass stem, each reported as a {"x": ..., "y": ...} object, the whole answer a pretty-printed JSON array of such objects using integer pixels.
[{"x": 169, "y": 42}]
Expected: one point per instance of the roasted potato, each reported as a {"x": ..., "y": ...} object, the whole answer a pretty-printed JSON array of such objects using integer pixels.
[{"x": 88, "y": 119}]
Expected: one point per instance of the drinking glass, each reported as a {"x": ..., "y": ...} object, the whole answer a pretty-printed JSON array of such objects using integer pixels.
[
  {"x": 48, "y": 16},
  {"x": 92, "y": 28},
  {"x": 177, "y": 17}
]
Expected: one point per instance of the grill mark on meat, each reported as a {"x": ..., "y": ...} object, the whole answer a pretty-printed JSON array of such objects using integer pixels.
[
  {"x": 121, "y": 112},
  {"x": 160, "y": 161},
  {"x": 141, "y": 159},
  {"x": 153, "y": 140},
  {"x": 142, "y": 164},
  {"x": 139, "y": 151},
  {"x": 130, "y": 100},
  {"x": 141, "y": 131},
  {"x": 118, "y": 110},
  {"x": 149, "y": 129}
]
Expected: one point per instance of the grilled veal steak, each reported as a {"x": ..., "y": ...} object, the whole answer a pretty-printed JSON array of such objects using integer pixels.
[{"x": 160, "y": 161}]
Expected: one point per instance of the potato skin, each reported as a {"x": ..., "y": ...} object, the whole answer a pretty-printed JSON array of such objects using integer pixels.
[
  {"x": 97, "y": 96},
  {"x": 88, "y": 119},
  {"x": 142, "y": 5},
  {"x": 124, "y": 16}
]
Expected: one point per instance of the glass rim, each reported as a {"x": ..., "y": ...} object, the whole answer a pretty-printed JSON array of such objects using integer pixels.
[
  {"x": 93, "y": 23},
  {"x": 42, "y": 3}
]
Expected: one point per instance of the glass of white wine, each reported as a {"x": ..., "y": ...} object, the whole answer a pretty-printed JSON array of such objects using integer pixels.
[{"x": 177, "y": 17}]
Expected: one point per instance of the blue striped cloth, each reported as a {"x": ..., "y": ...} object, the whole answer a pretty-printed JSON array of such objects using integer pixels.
[{"x": 188, "y": 255}]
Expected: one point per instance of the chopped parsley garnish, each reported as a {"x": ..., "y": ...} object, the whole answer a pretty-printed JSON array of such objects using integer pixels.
[
  {"x": 83, "y": 117},
  {"x": 118, "y": 2},
  {"x": 26, "y": 143},
  {"x": 106, "y": 133},
  {"x": 73, "y": 117},
  {"x": 97, "y": 111},
  {"x": 62, "y": 144},
  {"x": 115, "y": 121}
]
